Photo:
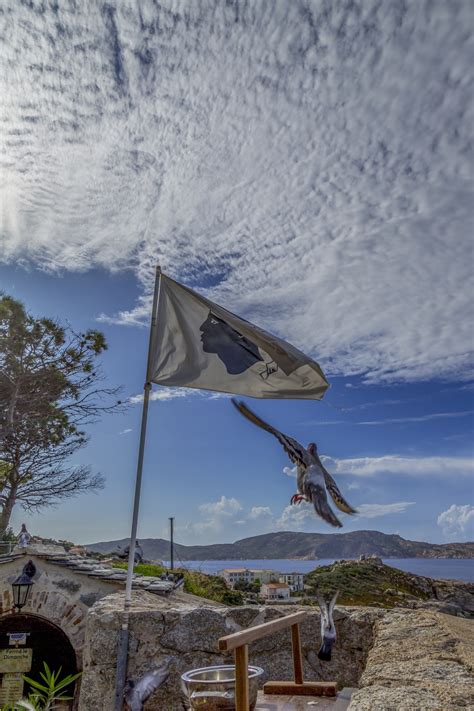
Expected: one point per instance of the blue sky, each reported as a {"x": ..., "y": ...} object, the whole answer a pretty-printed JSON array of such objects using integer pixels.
[
  {"x": 307, "y": 165},
  {"x": 402, "y": 451}
]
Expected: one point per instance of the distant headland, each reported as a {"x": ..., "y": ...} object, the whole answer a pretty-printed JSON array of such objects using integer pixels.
[{"x": 297, "y": 545}]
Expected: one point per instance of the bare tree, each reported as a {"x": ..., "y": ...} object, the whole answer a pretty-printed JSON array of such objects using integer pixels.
[{"x": 50, "y": 388}]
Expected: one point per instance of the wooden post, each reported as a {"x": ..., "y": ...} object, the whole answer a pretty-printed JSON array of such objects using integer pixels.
[
  {"x": 238, "y": 641},
  {"x": 297, "y": 661},
  {"x": 242, "y": 678}
]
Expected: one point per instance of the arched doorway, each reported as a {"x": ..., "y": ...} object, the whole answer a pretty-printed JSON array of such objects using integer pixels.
[{"x": 47, "y": 643}]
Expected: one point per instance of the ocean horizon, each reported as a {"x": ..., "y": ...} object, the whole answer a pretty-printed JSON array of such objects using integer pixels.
[{"x": 447, "y": 568}]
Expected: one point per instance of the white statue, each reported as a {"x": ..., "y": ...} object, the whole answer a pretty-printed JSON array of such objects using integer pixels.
[{"x": 24, "y": 537}]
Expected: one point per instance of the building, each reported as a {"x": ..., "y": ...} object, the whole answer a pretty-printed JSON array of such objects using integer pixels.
[
  {"x": 294, "y": 580},
  {"x": 46, "y": 622},
  {"x": 248, "y": 575},
  {"x": 275, "y": 591}
]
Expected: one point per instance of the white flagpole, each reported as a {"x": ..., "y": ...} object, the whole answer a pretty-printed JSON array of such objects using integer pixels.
[{"x": 122, "y": 652}]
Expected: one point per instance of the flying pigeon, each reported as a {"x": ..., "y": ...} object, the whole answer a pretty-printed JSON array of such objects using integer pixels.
[
  {"x": 312, "y": 478},
  {"x": 328, "y": 630},
  {"x": 136, "y": 693}
]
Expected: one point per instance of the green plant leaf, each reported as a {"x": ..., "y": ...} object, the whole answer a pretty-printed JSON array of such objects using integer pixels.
[{"x": 35, "y": 684}]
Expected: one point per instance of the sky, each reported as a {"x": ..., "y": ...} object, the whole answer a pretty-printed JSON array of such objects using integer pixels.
[{"x": 307, "y": 165}]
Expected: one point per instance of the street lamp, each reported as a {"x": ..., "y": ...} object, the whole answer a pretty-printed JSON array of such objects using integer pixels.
[{"x": 22, "y": 585}]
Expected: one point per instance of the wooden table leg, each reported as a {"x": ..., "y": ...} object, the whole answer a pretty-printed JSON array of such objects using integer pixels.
[
  {"x": 297, "y": 660},
  {"x": 242, "y": 678}
]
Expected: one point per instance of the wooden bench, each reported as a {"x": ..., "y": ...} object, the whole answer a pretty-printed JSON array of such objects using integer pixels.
[{"x": 239, "y": 641}]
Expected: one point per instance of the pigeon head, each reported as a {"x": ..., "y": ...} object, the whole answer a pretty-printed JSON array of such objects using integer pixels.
[{"x": 312, "y": 448}]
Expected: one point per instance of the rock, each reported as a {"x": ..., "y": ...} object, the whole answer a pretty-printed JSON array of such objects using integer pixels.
[
  {"x": 417, "y": 662},
  {"x": 403, "y": 698}
]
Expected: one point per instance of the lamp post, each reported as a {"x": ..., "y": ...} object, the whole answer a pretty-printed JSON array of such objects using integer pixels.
[{"x": 22, "y": 585}]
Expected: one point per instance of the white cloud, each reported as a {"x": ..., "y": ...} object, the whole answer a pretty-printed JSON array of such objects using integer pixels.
[
  {"x": 218, "y": 515},
  {"x": 396, "y": 464},
  {"x": 391, "y": 420},
  {"x": 289, "y": 471},
  {"x": 376, "y": 510},
  {"x": 457, "y": 522},
  {"x": 294, "y": 518},
  {"x": 164, "y": 394},
  {"x": 224, "y": 507},
  {"x": 127, "y": 431},
  {"x": 259, "y": 512},
  {"x": 417, "y": 418},
  {"x": 312, "y": 176}
]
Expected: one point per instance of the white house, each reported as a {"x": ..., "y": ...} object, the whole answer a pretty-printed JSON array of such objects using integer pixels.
[
  {"x": 247, "y": 575},
  {"x": 275, "y": 591},
  {"x": 294, "y": 580}
]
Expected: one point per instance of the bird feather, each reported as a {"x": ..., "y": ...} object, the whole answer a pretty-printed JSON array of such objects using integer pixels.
[
  {"x": 316, "y": 494},
  {"x": 296, "y": 452},
  {"x": 336, "y": 495},
  {"x": 137, "y": 693}
]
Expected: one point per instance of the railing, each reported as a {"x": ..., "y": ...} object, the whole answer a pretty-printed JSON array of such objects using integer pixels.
[
  {"x": 239, "y": 641},
  {"x": 6, "y": 547}
]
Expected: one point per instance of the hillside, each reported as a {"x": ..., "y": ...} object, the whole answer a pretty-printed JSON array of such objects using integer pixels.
[
  {"x": 288, "y": 544},
  {"x": 370, "y": 582}
]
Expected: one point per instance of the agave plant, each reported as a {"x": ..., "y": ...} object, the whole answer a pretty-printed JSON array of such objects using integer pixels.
[{"x": 45, "y": 695}]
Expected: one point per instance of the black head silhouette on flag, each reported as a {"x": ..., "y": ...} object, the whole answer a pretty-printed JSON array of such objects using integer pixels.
[{"x": 235, "y": 351}]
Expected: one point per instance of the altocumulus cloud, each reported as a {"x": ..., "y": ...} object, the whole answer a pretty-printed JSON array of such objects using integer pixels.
[{"x": 309, "y": 148}]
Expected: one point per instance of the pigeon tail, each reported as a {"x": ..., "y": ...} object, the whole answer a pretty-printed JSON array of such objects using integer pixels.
[{"x": 325, "y": 651}]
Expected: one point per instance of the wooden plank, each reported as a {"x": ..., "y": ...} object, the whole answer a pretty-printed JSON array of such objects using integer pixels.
[
  {"x": 307, "y": 688},
  {"x": 297, "y": 660},
  {"x": 242, "y": 678},
  {"x": 231, "y": 641}
]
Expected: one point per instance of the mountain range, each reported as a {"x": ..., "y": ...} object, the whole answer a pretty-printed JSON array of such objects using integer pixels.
[{"x": 294, "y": 545}]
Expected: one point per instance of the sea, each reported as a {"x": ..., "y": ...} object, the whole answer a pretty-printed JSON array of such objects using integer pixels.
[{"x": 447, "y": 568}]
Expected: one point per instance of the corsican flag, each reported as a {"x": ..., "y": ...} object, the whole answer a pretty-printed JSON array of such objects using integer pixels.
[{"x": 198, "y": 344}]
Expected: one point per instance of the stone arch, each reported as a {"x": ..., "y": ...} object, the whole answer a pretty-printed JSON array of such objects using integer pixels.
[
  {"x": 48, "y": 642},
  {"x": 57, "y": 608}
]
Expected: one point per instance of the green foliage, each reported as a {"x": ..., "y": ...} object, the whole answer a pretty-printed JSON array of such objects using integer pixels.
[
  {"x": 46, "y": 692},
  {"x": 244, "y": 586},
  {"x": 211, "y": 587},
  {"x": 9, "y": 536},
  {"x": 143, "y": 569},
  {"x": 48, "y": 391},
  {"x": 364, "y": 583}
]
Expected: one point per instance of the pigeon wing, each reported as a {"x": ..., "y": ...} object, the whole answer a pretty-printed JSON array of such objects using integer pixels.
[
  {"x": 149, "y": 683},
  {"x": 336, "y": 495},
  {"x": 296, "y": 452},
  {"x": 323, "y": 607},
  {"x": 331, "y": 607},
  {"x": 314, "y": 490}
]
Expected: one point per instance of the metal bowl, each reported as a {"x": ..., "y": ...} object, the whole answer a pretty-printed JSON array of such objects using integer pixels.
[{"x": 213, "y": 688}]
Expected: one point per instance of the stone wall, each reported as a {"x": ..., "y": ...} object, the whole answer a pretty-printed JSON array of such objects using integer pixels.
[
  {"x": 59, "y": 594},
  {"x": 165, "y": 628}
]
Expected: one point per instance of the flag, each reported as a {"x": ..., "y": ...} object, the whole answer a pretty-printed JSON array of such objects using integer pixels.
[{"x": 199, "y": 344}]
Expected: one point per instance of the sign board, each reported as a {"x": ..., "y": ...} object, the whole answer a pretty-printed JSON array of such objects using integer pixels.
[
  {"x": 12, "y": 688},
  {"x": 15, "y": 660},
  {"x": 15, "y": 638}
]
